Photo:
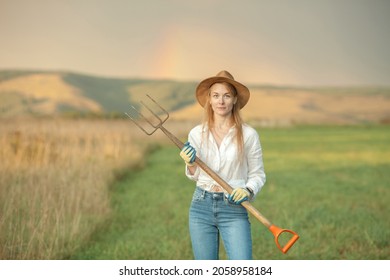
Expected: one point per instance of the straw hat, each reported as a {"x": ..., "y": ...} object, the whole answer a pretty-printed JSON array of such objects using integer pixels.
[{"x": 224, "y": 76}]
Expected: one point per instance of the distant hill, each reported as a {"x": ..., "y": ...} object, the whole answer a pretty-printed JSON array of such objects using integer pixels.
[
  {"x": 286, "y": 106},
  {"x": 51, "y": 93},
  {"x": 55, "y": 93}
]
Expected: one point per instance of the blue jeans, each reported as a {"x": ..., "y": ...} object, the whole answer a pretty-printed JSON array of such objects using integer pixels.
[{"x": 211, "y": 216}]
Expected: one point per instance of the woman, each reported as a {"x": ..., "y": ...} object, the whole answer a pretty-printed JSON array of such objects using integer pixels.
[{"x": 232, "y": 149}]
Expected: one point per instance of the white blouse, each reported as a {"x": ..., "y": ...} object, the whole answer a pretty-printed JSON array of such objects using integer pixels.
[{"x": 224, "y": 160}]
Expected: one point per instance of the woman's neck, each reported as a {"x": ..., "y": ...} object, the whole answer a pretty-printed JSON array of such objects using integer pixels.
[{"x": 222, "y": 122}]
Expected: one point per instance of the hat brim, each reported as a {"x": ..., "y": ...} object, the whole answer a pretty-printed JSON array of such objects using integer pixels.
[{"x": 202, "y": 90}]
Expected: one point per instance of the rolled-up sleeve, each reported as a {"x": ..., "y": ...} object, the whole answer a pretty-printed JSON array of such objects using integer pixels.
[{"x": 256, "y": 174}]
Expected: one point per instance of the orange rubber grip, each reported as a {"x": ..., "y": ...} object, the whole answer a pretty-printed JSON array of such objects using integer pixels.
[{"x": 276, "y": 231}]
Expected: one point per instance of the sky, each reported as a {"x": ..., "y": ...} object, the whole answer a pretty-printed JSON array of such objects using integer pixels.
[{"x": 277, "y": 42}]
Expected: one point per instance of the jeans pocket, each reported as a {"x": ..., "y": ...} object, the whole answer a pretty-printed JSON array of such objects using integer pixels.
[
  {"x": 197, "y": 196},
  {"x": 232, "y": 204}
]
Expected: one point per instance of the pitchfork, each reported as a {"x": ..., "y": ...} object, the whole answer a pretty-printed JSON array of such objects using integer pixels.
[{"x": 135, "y": 114}]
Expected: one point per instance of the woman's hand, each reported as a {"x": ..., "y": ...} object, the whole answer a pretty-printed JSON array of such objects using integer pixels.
[
  {"x": 239, "y": 195},
  {"x": 188, "y": 154}
]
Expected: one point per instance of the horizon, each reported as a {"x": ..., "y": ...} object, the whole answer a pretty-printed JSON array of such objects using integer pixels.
[{"x": 99, "y": 76}]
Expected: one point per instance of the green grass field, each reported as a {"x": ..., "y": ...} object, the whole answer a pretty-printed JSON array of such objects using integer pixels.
[{"x": 329, "y": 184}]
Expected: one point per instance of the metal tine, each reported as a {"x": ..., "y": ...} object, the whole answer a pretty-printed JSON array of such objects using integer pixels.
[
  {"x": 162, "y": 109},
  {"x": 150, "y": 110},
  {"x": 155, "y": 126},
  {"x": 145, "y": 118},
  {"x": 136, "y": 121},
  {"x": 160, "y": 121}
]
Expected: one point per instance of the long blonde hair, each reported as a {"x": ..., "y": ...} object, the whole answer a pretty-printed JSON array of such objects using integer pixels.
[{"x": 208, "y": 119}]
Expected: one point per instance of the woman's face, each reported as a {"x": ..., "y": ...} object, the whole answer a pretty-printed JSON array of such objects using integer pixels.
[{"x": 222, "y": 99}]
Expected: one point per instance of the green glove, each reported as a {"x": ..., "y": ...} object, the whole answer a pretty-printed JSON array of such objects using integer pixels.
[
  {"x": 238, "y": 195},
  {"x": 188, "y": 154}
]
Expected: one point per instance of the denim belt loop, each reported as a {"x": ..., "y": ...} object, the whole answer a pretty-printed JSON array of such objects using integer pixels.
[{"x": 203, "y": 193}]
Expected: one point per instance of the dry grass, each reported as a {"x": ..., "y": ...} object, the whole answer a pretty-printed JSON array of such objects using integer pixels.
[{"x": 54, "y": 178}]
